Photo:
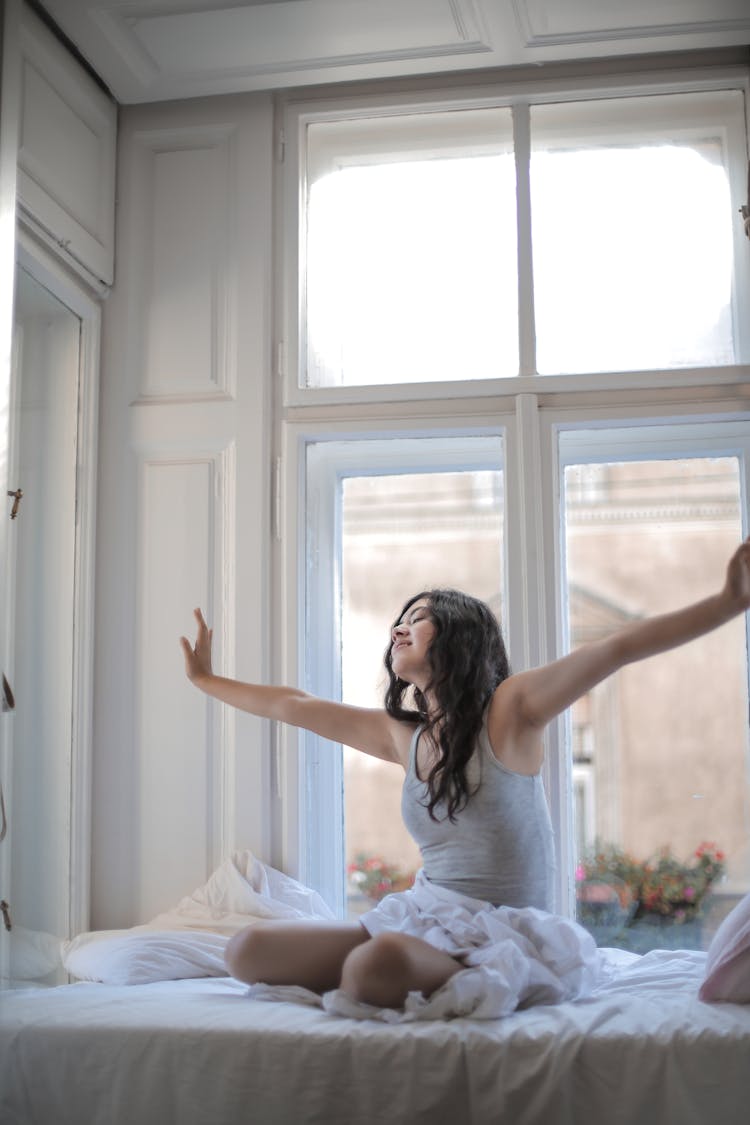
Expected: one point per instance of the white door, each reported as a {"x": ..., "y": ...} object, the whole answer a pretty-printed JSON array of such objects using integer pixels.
[{"x": 39, "y": 594}]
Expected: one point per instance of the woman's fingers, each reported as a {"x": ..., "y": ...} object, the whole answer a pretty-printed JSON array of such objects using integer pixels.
[
  {"x": 191, "y": 659},
  {"x": 203, "y": 630},
  {"x": 198, "y": 656}
]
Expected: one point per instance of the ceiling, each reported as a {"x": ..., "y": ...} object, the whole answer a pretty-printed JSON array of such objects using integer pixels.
[{"x": 152, "y": 50}]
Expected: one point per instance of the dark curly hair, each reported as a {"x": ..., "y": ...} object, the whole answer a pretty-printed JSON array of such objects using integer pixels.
[{"x": 468, "y": 660}]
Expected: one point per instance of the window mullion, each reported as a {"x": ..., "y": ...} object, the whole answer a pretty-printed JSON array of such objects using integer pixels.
[
  {"x": 534, "y": 593},
  {"x": 526, "y": 325},
  {"x": 527, "y": 554},
  {"x": 321, "y": 858}
]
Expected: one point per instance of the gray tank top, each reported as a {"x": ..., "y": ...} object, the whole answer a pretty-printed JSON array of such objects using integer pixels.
[{"x": 500, "y": 847}]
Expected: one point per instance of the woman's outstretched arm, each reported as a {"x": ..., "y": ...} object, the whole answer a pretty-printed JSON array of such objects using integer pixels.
[
  {"x": 542, "y": 693},
  {"x": 372, "y": 731}
]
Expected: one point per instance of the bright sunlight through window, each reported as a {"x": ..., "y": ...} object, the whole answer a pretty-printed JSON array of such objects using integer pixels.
[
  {"x": 411, "y": 272},
  {"x": 412, "y": 250},
  {"x": 632, "y": 259}
]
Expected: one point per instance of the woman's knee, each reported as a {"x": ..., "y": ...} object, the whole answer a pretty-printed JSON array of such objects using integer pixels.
[
  {"x": 249, "y": 953},
  {"x": 378, "y": 971}
]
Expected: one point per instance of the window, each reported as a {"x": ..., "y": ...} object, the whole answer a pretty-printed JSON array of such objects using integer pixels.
[
  {"x": 480, "y": 242},
  {"x": 399, "y": 516},
  {"x": 410, "y": 260},
  {"x": 472, "y": 364},
  {"x": 659, "y": 752},
  {"x": 401, "y": 534},
  {"x": 632, "y": 225}
]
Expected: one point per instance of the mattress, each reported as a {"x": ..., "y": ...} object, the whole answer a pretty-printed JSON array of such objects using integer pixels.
[{"x": 642, "y": 1049}]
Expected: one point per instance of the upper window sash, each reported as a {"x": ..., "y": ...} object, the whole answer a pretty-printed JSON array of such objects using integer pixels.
[
  {"x": 640, "y": 261},
  {"x": 362, "y": 111}
]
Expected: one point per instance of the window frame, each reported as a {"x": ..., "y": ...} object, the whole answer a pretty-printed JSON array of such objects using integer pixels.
[
  {"x": 312, "y": 767},
  {"x": 531, "y": 410},
  {"x": 294, "y": 116},
  {"x": 597, "y": 440}
]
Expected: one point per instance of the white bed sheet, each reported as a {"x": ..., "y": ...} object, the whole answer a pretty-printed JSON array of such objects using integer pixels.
[{"x": 643, "y": 1050}]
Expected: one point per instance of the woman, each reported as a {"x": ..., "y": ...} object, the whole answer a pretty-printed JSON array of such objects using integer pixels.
[{"x": 469, "y": 736}]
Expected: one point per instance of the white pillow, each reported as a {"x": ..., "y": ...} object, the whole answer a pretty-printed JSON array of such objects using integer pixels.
[
  {"x": 143, "y": 956},
  {"x": 728, "y": 964},
  {"x": 190, "y": 939}
]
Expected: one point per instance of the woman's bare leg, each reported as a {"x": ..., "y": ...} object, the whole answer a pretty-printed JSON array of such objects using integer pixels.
[
  {"x": 310, "y": 954},
  {"x": 384, "y": 970}
]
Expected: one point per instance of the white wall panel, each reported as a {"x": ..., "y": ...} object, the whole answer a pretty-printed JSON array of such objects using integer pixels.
[
  {"x": 184, "y": 503},
  {"x": 66, "y": 159},
  {"x": 189, "y": 276},
  {"x": 54, "y": 136},
  {"x": 178, "y": 795}
]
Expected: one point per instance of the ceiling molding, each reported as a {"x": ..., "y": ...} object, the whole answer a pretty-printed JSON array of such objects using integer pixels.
[
  {"x": 585, "y": 24},
  {"x": 153, "y": 50},
  {"x": 152, "y": 57}
]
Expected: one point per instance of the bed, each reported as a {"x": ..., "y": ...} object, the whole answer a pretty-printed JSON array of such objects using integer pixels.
[{"x": 642, "y": 1048}]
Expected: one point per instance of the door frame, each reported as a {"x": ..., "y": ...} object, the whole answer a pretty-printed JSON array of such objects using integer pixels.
[
  {"x": 10, "y": 84},
  {"x": 42, "y": 266}
]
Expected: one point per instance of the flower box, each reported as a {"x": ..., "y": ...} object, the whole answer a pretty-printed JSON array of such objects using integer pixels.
[{"x": 640, "y": 905}]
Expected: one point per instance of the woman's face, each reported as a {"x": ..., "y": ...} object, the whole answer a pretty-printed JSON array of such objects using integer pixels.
[{"x": 410, "y": 642}]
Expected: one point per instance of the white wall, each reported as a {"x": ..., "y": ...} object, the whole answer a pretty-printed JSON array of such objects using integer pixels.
[{"x": 184, "y": 500}]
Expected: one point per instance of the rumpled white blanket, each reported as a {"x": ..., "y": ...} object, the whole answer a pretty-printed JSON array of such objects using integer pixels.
[{"x": 514, "y": 957}]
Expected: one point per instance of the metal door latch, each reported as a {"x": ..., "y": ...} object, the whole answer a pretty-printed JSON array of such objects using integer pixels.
[
  {"x": 17, "y": 498},
  {"x": 7, "y": 701}
]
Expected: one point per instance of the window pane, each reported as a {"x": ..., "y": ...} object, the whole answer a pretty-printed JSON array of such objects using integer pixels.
[
  {"x": 632, "y": 232},
  {"x": 400, "y": 535},
  {"x": 660, "y": 765},
  {"x": 411, "y": 249}
]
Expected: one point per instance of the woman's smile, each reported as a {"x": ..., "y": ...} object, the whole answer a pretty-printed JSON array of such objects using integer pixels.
[{"x": 415, "y": 631}]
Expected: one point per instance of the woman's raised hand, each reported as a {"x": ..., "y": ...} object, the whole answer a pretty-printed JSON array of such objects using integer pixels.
[
  {"x": 737, "y": 588},
  {"x": 198, "y": 656}
]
